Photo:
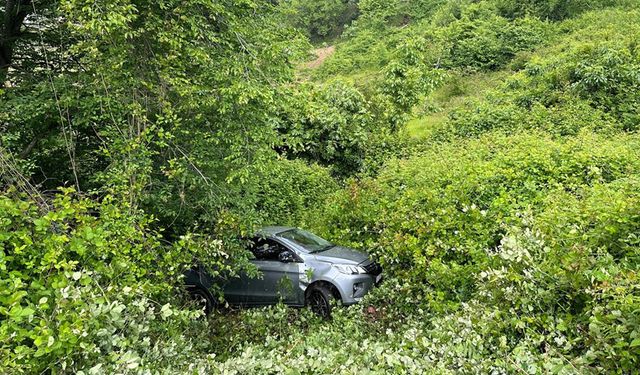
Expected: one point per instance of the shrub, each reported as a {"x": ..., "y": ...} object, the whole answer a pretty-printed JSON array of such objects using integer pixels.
[
  {"x": 287, "y": 189},
  {"x": 480, "y": 39},
  {"x": 86, "y": 286},
  {"x": 567, "y": 117},
  {"x": 431, "y": 217},
  {"x": 552, "y": 9},
  {"x": 322, "y": 20},
  {"x": 335, "y": 125},
  {"x": 585, "y": 82}
]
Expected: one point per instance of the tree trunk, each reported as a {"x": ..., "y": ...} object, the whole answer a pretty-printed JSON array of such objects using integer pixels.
[{"x": 15, "y": 11}]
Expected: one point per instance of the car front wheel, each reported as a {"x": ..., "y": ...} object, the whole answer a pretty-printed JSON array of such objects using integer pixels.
[
  {"x": 320, "y": 300},
  {"x": 202, "y": 299}
]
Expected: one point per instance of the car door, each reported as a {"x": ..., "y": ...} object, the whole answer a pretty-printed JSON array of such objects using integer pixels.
[
  {"x": 278, "y": 280},
  {"x": 235, "y": 289}
]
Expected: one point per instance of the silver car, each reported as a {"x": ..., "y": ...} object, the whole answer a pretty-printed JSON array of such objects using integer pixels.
[{"x": 296, "y": 267}]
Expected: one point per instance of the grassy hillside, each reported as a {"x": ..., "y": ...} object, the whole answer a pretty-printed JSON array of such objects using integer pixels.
[
  {"x": 507, "y": 216},
  {"x": 486, "y": 153},
  {"x": 458, "y": 89},
  {"x": 510, "y": 235}
]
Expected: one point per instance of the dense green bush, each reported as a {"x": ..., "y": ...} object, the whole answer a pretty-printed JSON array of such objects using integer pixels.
[
  {"x": 328, "y": 124},
  {"x": 596, "y": 63},
  {"x": 399, "y": 70},
  {"x": 526, "y": 243},
  {"x": 274, "y": 191},
  {"x": 433, "y": 216},
  {"x": 87, "y": 286},
  {"x": 339, "y": 127},
  {"x": 287, "y": 189},
  {"x": 465, "y": 35},
  {"x": 565, "y": 118},
  {"x": 380, "y": 14},
  {"x": 170, "y": 106},
  {"x": 517, "y": 252},
  {"x": 479, "y": 38},
  {"x": 553, "y": 9},
  {"x": 586, "y": 81},
  {"x": 368, "y": 45},
  {"x": 363, "y": 55},
  {"x": 321, "y": 19}
]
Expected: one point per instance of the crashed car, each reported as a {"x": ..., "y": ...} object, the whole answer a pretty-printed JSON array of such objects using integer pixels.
[{"x": 295, "y": 267}]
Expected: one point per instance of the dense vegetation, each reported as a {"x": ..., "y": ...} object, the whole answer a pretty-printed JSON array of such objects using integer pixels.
[{"x": 485, "y": 152}]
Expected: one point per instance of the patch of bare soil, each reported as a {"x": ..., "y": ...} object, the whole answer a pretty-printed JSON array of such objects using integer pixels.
[{"x": 322, "y": 54}]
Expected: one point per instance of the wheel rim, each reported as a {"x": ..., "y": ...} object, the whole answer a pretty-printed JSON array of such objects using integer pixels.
[
  {"x": 200, "y": 300},
  {"x": 319, "y": 304}
]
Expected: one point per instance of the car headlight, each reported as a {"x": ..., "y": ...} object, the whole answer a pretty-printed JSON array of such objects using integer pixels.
[{"x": 349, "y": 269}]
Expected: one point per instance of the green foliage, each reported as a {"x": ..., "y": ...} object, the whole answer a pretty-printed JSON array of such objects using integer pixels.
[
  {"x": 508, "y": 234},
  {"x": 380, "y": 14},
  {"x": 586, "y": 81},
  {"x": 336, "y": 125},
  {"x": 288, "y": 189},
  {"x": 467, "y": 35},
  {"x": 406, "y": 80},
  {"x": 329, "y": 124},
  {"x": 520, "y": 234},
  {"x": 431, "y": 217},
  {"x": 513, "y": 249},
  {"x": 151, "y": 102},
  {"x": 364, "y": 55},
  {"x": 88, "y": 285},
  {"x": 567, "y": 117},
  {"x": 368, "y": 45},
  {"x": 481, "y": 39},
  {"x": 322, "y": 19},
  {"x": 553, "y": 9}
]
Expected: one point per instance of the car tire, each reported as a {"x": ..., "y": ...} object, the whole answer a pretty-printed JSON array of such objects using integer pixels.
[
  {"x": 320, "y": 300},
  {"x": 203, "y": 299}
]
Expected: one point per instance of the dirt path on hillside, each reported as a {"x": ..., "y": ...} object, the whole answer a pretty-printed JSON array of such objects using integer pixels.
[{"x": 322, "y": 54}]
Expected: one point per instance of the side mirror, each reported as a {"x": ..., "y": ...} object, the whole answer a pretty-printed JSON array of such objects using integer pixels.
[{"x": 286, "y": 257}]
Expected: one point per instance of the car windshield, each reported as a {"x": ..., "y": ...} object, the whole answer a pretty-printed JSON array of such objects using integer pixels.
[{"x": 306, "y": 239}]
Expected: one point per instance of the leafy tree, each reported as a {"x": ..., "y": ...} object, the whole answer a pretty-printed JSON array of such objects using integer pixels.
[
  {"x": 161, "y": 98},
  {"x": 322, "y": 20}
]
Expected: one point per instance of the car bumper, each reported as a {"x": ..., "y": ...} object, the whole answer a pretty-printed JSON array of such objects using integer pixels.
[{"x": 354, "y": 287}]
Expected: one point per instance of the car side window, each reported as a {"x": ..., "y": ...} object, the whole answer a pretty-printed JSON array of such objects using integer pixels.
[{"x": 266, "y": 249}]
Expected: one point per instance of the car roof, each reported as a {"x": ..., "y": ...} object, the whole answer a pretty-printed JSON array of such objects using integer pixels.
[{"x": 273, "y": 230}]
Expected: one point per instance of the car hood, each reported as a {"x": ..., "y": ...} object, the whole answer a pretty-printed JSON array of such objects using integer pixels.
[{"x": 344, "y": 255}]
